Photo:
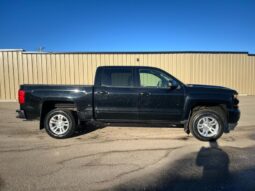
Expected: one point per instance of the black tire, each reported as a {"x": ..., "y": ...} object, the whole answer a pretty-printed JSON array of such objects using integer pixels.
[
  {"x": 68, "y": 116},
  {"x": 214, "y": 113}
]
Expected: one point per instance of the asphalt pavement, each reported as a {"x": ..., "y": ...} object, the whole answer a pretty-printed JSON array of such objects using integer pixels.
[{"x": 125, "y": 158}]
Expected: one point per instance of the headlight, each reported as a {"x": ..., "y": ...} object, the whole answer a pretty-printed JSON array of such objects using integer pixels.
[
  {"x": 236, "y": 96},
  {"x": 235, "y": 100}
]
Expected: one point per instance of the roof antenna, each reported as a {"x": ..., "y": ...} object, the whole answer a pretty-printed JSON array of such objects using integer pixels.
[{"x": 41, "y": 49}]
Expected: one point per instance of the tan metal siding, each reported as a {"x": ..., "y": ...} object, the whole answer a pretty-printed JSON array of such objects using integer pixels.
[
  {"x": 6, "y": 76},
  {"x": 2, "y": 83},
  {"x": 236, "y": 71}
]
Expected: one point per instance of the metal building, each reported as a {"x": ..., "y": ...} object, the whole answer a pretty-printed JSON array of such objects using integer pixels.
[{"x": 231, "y": 69}]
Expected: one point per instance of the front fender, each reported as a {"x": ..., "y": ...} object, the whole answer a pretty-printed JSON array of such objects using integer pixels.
[{"x": 192, "y": 101}]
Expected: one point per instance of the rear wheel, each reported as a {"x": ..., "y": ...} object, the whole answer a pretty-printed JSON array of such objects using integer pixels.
[
  {"x": 207, "y": 124},
  {"x": 60, "y": 123}
]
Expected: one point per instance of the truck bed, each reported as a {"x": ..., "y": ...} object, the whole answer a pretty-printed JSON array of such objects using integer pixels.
[{"x": 81, "y": 95}]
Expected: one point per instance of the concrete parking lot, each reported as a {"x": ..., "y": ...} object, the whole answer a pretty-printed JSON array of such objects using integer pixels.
[{"x": 125, "y": 158}]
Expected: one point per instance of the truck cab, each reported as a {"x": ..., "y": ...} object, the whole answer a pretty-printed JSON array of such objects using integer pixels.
[{"x": 137, "y": 94}]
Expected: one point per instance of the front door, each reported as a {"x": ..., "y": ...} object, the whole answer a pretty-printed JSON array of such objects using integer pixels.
[
  {"x": 116, "y": 100},
  {"x": 157, "y": 100}
]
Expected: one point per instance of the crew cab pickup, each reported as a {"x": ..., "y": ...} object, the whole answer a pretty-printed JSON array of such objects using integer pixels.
[{"x": 131, "y": 94}]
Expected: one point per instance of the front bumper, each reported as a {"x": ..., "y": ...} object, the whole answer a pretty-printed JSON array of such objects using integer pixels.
[
  {"x": 21, "y": 114},
  {"x": 232, "y": 126},
  {"x": 233, "y": 118},
  {"x": 234, "y": 115}
]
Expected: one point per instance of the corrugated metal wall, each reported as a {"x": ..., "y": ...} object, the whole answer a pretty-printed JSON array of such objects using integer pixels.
[{"x": 234, "y": 70}]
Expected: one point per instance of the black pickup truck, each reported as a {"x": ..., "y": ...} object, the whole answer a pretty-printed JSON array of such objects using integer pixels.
[{"x": 131, "y": 94}]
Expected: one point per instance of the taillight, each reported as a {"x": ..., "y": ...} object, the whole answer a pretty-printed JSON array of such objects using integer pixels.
[{"x": 22, "y": 94}]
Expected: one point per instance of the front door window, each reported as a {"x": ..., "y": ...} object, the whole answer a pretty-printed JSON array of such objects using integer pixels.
[{"x": 150, "y": 78}]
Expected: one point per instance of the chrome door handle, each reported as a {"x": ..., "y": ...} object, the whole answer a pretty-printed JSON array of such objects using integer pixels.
[
  {"x": 103, "y": 92},
  {"x": 145, "y": 93}
]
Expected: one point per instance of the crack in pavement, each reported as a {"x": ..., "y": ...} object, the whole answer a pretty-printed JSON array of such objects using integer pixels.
[
  {"x": 116, "y": 151},
  {"x": 37, "y": 148},
  {"x": 184, "y": 138},
  {"x": 140, "y": 168},
  {"x": 111, "y": 165},
  {"x": 84, "y": 143},
  {"x": 52, "y": 172}
]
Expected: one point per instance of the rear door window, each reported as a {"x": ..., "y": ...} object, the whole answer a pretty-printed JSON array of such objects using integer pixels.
[{"x": 118, "y": 77}]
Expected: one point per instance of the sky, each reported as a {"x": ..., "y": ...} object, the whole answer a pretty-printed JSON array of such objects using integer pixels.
[{"x": 128, "y": 25}]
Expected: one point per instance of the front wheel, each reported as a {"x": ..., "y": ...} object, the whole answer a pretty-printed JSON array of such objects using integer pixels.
[
  {"x": 60, "y": 123},
  {"x": 207, "y": 124}
]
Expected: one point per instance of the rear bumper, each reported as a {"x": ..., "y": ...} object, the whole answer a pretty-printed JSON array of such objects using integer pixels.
[{"x": 21, "y": 114}]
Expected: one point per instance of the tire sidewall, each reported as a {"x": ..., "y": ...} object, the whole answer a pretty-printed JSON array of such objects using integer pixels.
[
  {"x": 69, "y": 117},
  {"x": 200, "y": 115}
]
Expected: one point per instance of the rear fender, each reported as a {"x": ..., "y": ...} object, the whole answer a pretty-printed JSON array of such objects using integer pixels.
[{"x": 49, "y": 105}]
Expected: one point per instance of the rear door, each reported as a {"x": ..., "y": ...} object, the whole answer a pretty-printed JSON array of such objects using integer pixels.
[
  {"x": 157, "y": 101},
  {"x": 116, "y": 98}
]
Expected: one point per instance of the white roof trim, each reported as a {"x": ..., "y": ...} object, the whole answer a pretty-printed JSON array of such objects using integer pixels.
[
  {"x": 34, "y": 52},
  {"x": 10, "y": 50}
]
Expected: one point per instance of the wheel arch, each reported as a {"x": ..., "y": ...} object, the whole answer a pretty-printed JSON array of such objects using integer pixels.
[
  {"x": 49, "y": 105},
  {"x": 202, "y": 105}
]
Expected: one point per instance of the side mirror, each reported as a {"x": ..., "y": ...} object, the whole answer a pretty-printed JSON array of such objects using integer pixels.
[{"x": 172, "y": 84}]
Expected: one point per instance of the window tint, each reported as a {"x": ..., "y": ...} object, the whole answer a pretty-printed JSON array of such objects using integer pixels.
[
  {"x": 117, "y": 77},
  {"x": 153, "y": 78}
]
